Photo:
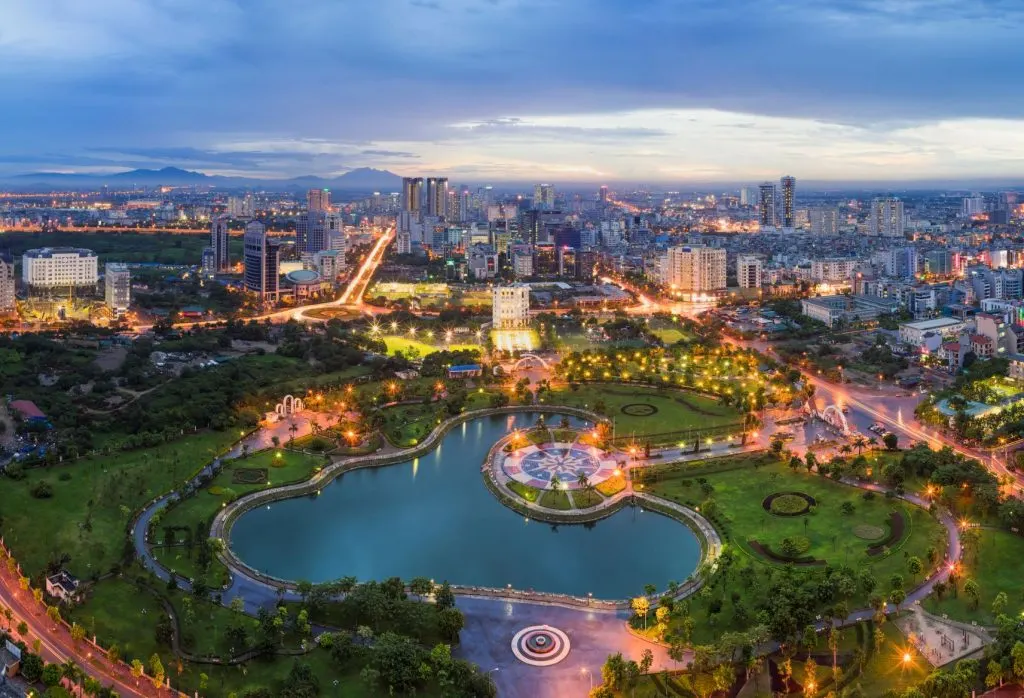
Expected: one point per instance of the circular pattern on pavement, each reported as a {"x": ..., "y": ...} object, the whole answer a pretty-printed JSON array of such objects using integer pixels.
[
  {"x": 536, "y": 465},
  {"x": 639, "y": 409},
  {"x": 540, "y": 645}
]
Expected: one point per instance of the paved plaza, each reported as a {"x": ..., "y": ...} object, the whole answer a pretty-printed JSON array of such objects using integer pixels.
[{"x": 535, "y": 466}]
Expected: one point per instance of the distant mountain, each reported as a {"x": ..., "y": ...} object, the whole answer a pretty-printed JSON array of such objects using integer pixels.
[{"x": 360, "y": 179}]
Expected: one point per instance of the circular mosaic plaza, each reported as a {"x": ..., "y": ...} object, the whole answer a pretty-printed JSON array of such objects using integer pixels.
[
  {"x": 536, "y": 465},
  {"x": 540, "y": 645}
]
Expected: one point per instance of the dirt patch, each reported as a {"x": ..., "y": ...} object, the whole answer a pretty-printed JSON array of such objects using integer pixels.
[
  {"x": 111, "y": 358},
  {"x": 249, "y": 476}
]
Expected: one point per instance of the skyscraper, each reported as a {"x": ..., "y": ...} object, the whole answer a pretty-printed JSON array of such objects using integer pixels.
[
  {"x": 766, "y": 206},
  {"x": 318, "y": 200},
  {"x": 788, "y": 195},
  {"x": 262, "y": 262},
  {"x": 117, "y": 286},
  {"x": 437, "y": 196},
  {"x": 544, "y": 197},
  {"x": 748, "y": 271},
  {"x": 311, "y": 232},
  {"x": 7, "y": 304},
  {"x": 602, "y": 194},
  {"x": 824, "y": 221},
  {"x": 694, "y": 269},
  {"x": 886, "y": 218},
  {"x": 219, "y": 243},
  {"x": 412, "y": 192}
]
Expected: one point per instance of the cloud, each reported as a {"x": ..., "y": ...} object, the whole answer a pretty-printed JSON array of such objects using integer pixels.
[{"x": 315, "y": 85}]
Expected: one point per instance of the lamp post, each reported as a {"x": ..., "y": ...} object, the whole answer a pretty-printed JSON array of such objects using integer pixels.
[{"x": 585, "y": 670}]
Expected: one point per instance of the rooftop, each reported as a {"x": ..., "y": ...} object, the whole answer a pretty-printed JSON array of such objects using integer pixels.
[{"x": 934, "y": 324}]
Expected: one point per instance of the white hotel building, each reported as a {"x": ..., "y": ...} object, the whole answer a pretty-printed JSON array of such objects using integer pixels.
[
  {"x": 511, "y": 307},
  {"x": 59, "y": 267}
]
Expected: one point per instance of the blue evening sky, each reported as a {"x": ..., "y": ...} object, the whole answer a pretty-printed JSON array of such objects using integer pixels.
[{"x": 491, "y": 90}]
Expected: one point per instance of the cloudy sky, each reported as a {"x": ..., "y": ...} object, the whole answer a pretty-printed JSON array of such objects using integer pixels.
[{"x": 492, "y": 90}]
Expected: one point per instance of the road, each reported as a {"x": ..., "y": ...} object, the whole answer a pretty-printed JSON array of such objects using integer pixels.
[{"x": 57, "y": 646}]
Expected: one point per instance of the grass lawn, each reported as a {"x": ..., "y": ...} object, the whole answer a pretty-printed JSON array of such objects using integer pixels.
[
  {"x": 996, "y": 563},
  {"x": 202, "y": 506},
  {"x": 674, "y": 410},
  {"x": 885, "y": 669},
  {"x": 407, "y": 425},
  {"x": 555, "y": 499},
  {"x": 88, "y": 514},
  {"x": 827, "y": 534},
  {"x": 414, "y": 348},
  {"x": 670, "y": 335},
  {"x": 584, "y": 498},
  {"x": 528, "y": 493},
  {"x": 117, "y": 611}
]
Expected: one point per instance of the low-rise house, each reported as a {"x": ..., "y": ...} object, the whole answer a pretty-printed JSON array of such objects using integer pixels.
[{"x": 63, "y": 586}]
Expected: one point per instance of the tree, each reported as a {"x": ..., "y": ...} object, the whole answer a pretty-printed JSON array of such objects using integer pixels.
[
  {"x": 641, "y": 606},
  {"x": 891, "y": 441},
  {"x": 646, "y": 660},
  {"x": 31, "y": 666},
  {"x": 973, "y": 591},
  {"x": 420, "y": 586},
  {"x": 53, "y": 613},
  {"x": 1017, "y": 654},
  {"x": 450, "y": 622},
  {"x": 444, "y": 597},
  {"x": 914, "y": 566},
  {"x": 157, "y": 669},
  {"x": 999, "y": 603},
  {"x": 795, "y": 464},
  {"x": 52, "y": 674},
  {"x": 137, "y": 669},
  {"x": 77, "y": 632},
  {"x": 114, "y": 653},
  {"x": 995, "y": 674}
]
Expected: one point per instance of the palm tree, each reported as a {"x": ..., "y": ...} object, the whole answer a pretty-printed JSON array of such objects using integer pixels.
[
  {"x": 872, "y": 442},
  {"x": 583, "y": 481},
  {"x": 555, "y": 482},
  {"x": 845, "y": 449},
  {"x": 293, "y": 428},
  {"x": 859, "y": 443}
]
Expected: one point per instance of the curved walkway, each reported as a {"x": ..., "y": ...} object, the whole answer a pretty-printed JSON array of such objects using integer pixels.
[{"x": 491, "y": 621}]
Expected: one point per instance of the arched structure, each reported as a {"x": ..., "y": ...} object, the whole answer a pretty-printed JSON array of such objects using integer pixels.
[
  {"x": 289, "y": 405},
  {"x": 526, "y": 359},
  {"x": 834, "y": 416}
]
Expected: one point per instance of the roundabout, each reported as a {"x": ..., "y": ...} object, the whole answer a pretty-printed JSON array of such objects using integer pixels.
[
  {"x": 539, "y": 466},
  {"x": 540, "y": 645}
]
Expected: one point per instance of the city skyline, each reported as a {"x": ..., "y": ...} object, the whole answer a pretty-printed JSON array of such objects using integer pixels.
[{"x": 669, "y": 92}]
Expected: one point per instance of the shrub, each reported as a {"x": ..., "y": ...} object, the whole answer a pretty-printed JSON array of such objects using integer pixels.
[
  {"x": 64, "y": 477},
  {"x": 868, "y": 495},
  {"x": 42, "y": 490}
]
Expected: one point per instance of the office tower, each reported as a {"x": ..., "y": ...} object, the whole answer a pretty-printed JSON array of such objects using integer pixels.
[
  {"x": 437, "y": 196},
  {"x": 219, "y": 243},
  {"x": 235, "y": 207},
  {"x": 824, "y": 221},
  {"x": 566, "y": 236},
  {"x": 602, "y": 194},
  {"x": 544, "y": 197},
  {"x": 7, "y": 303},
  {"x": 788, "y": 197},
  {"x": 465, "y": 199},
  {"x": 766, "y": 206},
  {"x": 1008, "y": 200},
  {"x": 262, "y": 262},
  {"x": 412, "y": 192},
  {"x": 972, "y": 206},
  {"x": 748, "y": 271},
  {"x": 886, "y": 218},
  {"x": 330, "y": 263},
  {"x": 117, "y": 285},
  {"x": 50, "y": 268},
  {"x": 529, "y": 226},
  {"x": 694, "y": 268},
  {"x": 311, "y": 232},
  {"x": 318, "y": 200},
  {"x": 511, "y": 307},
  {"x": 938, "y": 262}
]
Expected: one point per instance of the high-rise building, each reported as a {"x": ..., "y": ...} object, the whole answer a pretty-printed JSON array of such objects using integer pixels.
[
  {"x": 788, "y": 200},
  {"x": 544, "y": 196},
  {"x": 437, "y": 196},
  {"x": 311, "y": 232},
  {"x": 972, "y": 206},
  {"x": 117, "y": 286},
  {"x": 886, "y": 218},
  {"x": 51, "y": 268},
  {"x": 209, "y": 263},
  {"x": 511, "y": 307},
  {"x": 318, "y": 200},
  {"x": 694, "y": 269},
  {"x": 412, "y": 193},
  {"x": 219, "y": 243},
  {"x": 262, "y": 262},
  {"x": 7, "y": 302},
  {"x": 602, "y": 194},
  {"x": 766, "y": 206},
  {"x": 748, "y": 271},
  {"x": 824, "y": 221},
  {"x": 749, "y": 196}
]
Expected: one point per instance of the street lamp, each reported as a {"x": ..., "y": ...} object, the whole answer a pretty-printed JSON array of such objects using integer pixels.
[{"x": 585, "y": 670}]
